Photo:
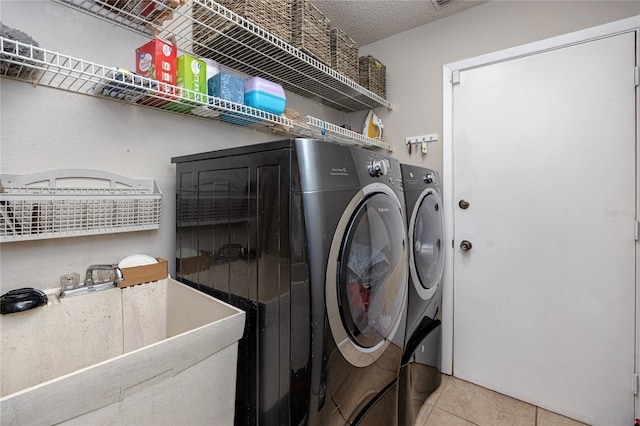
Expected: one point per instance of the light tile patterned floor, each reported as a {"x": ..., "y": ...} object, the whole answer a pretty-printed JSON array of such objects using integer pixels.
[{"x": 460, "y": 403}]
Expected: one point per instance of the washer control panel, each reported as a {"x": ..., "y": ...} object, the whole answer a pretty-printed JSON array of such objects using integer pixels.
[{"x": 429, "y": 178}]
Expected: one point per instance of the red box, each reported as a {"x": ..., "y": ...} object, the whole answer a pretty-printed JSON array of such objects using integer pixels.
[{"x": 158, "y": 60}]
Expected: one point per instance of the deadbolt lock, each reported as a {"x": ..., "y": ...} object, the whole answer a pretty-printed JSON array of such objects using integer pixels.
[
  {"x": 466, "y": 245},
  {"x": 464, "y": 204}
]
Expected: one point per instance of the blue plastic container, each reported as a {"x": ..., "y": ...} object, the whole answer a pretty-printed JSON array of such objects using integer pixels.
[{"x": 264, "y": 95}]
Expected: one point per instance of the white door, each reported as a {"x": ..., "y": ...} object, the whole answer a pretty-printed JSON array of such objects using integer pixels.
[{"x": 544, "y": 151}]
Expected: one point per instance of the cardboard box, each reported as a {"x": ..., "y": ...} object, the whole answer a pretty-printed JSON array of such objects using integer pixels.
[
  {"x": 227, "y": 87},
  {"x": 157, "y": 60},
  {"x": 191, "y": 75},
  {"x": 145, "y": 274}
]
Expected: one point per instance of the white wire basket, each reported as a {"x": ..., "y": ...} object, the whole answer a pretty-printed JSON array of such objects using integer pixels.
[{"x": 70, "y": 203}]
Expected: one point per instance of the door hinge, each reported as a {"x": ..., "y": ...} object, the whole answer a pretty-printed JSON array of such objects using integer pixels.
[
  {"x": 637, "y": 231},
  {"x": 455, "y": 77},
  {"x": 637, "y": 75},
  {"x": 636, "y": 384}
]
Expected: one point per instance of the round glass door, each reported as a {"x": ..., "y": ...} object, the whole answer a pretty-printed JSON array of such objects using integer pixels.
[
  {"x": 368, "y": 287},
  {"x": 426, "y": 234}
]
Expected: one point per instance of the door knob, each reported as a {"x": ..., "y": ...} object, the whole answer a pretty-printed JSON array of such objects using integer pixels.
[
  {"x": 466, "y": 245},
  {"x": 464, "y": 204}
]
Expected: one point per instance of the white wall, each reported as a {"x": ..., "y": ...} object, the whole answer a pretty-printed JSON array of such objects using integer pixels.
[
  {"x": 414, "y": 59},
  {"x": 44, "y": 129}
]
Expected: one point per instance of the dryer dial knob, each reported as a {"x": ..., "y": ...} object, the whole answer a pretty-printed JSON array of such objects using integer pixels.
[
  {"x": 428, "y": 178},
  {"x": 378, "y": 168}
]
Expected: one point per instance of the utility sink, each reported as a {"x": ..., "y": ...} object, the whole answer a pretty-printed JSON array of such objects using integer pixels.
[{"x": 159, "y": 353}]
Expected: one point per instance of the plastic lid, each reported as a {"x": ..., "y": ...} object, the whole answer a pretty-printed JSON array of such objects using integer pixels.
[{"x": 259, "y": 83}]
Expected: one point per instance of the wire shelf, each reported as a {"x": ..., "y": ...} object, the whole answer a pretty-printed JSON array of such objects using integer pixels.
[
  {"x": 206, "y": 28},
  {"x": 40, "y": 66},
  {"x": 69, "y": 203},
  {"x": 320, "y": 129}
]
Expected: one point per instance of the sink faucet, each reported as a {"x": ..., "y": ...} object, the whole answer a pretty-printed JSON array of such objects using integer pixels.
[
  {"x": 117, "y": 274},
  {"x": 91, "y": 286}
]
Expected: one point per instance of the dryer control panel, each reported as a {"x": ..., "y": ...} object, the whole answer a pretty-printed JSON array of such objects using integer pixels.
[
  {"x": 378, "y": 168},
  {"x": 385, "y": 168},
  {"x": 327, "y": 166}
]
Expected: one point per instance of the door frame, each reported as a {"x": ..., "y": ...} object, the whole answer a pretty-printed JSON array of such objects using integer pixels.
[{"x": 449, "y": 74}]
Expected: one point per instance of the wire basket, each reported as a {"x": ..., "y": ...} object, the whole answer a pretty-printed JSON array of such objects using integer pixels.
[
  {"x": 67, "y": 203},
  {"x": 344, "y": 54},
  {"x": 373, "y": 75},
  {"x": 311, "y": 31}
]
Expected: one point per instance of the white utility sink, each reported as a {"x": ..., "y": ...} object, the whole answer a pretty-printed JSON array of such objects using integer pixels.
[{"x": 159, "y": 353}]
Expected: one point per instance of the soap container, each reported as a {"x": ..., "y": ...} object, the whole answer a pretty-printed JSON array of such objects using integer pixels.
[{"x": 264, "y": 95}]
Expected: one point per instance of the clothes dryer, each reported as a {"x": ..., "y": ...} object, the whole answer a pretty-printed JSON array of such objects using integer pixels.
[
  {"x": 309, "y": 238},
  {"x": 420, "y": 371}
]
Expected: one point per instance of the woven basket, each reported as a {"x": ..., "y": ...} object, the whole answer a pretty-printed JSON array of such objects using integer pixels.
[
  {"x": 274, "y": 16},
  {"x": 202, "y": 35},
  {"x": 344, "y": 54},
  {"x": 373, "y": 75},
  {"x": 311, "y": 31}
]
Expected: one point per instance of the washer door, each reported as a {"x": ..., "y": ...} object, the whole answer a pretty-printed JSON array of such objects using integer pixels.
[
  {"x": 426, "y": 238},
  {"x": 366, "y": 279}
]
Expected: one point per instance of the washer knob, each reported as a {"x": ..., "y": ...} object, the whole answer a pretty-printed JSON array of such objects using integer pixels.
[{"x": 378, "y": 168}]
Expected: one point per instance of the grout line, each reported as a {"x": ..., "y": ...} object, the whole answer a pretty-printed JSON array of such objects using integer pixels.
[{"x": 454, "y": 415}]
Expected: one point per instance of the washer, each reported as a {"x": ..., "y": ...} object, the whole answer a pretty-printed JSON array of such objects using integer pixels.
[
  {"x": 309, "y": 238},
  {"x": 420, "y": 372}
]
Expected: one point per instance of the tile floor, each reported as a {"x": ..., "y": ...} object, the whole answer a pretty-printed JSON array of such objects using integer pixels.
[{"x": 460, "y": 403}]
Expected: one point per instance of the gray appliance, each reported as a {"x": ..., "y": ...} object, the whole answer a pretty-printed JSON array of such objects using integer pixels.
[
  {"x": 309, "y": 238},
  {"x": 420, "y": 372}
]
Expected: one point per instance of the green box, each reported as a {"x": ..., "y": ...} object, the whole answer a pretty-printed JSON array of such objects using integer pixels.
[{"x": 191, "y": 75}]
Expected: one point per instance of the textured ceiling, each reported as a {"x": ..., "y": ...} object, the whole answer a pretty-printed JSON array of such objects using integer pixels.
[{"x": 367, "y": 21}]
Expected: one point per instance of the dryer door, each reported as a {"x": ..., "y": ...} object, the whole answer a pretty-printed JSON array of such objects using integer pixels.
[
  {"x": 366, "y": 280},
  {"x": 426, "y": 239}
]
